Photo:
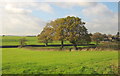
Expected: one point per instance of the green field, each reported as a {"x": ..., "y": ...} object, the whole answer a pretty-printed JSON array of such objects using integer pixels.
[
  {"x": 14, "y": 40},
  {"x": 28, "y": 61},
  {"x": 40, "y": 60}
]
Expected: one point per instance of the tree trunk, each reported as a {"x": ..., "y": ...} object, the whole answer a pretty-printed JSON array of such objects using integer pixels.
[
  {"x": 62, "y": 42},
  {"x": 96, "y": 43},
  {"x": 75, "y": 46},
  {"x": 46, "y": 44}
]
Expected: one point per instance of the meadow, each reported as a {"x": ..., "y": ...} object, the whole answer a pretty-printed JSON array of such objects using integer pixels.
[
  {"x": 29, "y": 61},
  {"x": 15, "y": 40},
  {"x": 50, "y": 60}
]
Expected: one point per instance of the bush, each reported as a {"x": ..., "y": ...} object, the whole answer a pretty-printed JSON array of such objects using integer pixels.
[
  {"x": 22, "y": 42},
  {"x": 108, "y": 45}
]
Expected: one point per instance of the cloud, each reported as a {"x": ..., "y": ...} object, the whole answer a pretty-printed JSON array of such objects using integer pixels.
[
  {"x": 98, "y": 17},
  {"x": 12, "y": 9},
  {"x": 18, "y": 20},
  {"x": 20, "y": 24},
  {"x": 28, "y": 6},
  {"x": 44, "y": 7},
  {"x": 87, "y": 4},
  {"x": 59, "y": 0},
  {"x": 101, "y": 19},
  {"x": 98, "y": 10},
  {"x": 74, "y": 4}
]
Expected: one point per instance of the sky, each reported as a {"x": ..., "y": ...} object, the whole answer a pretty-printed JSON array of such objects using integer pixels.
[{"x": 29, "y": 18}]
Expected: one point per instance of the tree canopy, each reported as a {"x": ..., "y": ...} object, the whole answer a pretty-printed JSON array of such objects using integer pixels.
[
  {"x": 97, "y": 37},
  {"x": 46, "y": 35},
  {"x": 69, "y": 28}
]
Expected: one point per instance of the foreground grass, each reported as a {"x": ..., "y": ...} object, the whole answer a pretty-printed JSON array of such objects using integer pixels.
[{"x": 24, "y": 61}]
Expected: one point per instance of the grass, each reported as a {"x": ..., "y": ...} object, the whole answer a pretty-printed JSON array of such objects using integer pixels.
[
  {"x": 26, "y": 61},
  {"x": 14, "y": 40}
]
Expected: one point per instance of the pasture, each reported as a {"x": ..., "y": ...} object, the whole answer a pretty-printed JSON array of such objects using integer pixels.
[
  {"x": 29, "y": 61},
  {"x": 14, "y": 40},
  {"x": 41, "y": 60}
]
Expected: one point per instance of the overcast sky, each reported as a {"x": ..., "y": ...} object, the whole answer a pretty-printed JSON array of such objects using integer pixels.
[{"x": 29, "y": 18}]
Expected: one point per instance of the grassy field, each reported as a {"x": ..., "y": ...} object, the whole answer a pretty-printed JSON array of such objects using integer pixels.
[
  {"x": 28, "y": 61},
  {"x": 14, "y": 40}
]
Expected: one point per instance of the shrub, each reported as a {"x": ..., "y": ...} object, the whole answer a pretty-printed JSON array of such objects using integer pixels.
[
  {"x": 22, "y": 42},
  {"x": 108, "y": 45}
]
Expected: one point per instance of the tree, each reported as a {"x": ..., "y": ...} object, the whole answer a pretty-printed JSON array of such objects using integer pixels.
[
  {"x": 105, "y": 37},
  {"x": 3, "y": 35},
  {"x": 58, "y": 27},
  {"x": 87, "y": 38},
  {"x": 46, "y": 35},
  {"x": 97, "y": 37},
  {"x": 117, "y": 37},
  {"x": 118, "y": 34},
  {"x": 22, "y": 42},
  {"x": 69, "y": 28},
  {"x": 76, "y": 32}
]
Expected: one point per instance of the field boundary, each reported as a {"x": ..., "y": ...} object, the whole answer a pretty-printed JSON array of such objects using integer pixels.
[{"x": 93, "y": 46}]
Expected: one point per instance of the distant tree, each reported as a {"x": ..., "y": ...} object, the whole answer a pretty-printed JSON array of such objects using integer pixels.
[
  {"x": 118, "y": 34},
  {"x": 109, "y": 36},
  {"x": 90, "y": 34},
  {"x": 117, "y": 37},
  {"x": 46, "y": 35},
  {"x": 3, "y": 35},
  {"x": 97, "y": 37},
  {"x": 105, "y": 37},
  {"x": 22, "y": 42}
]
